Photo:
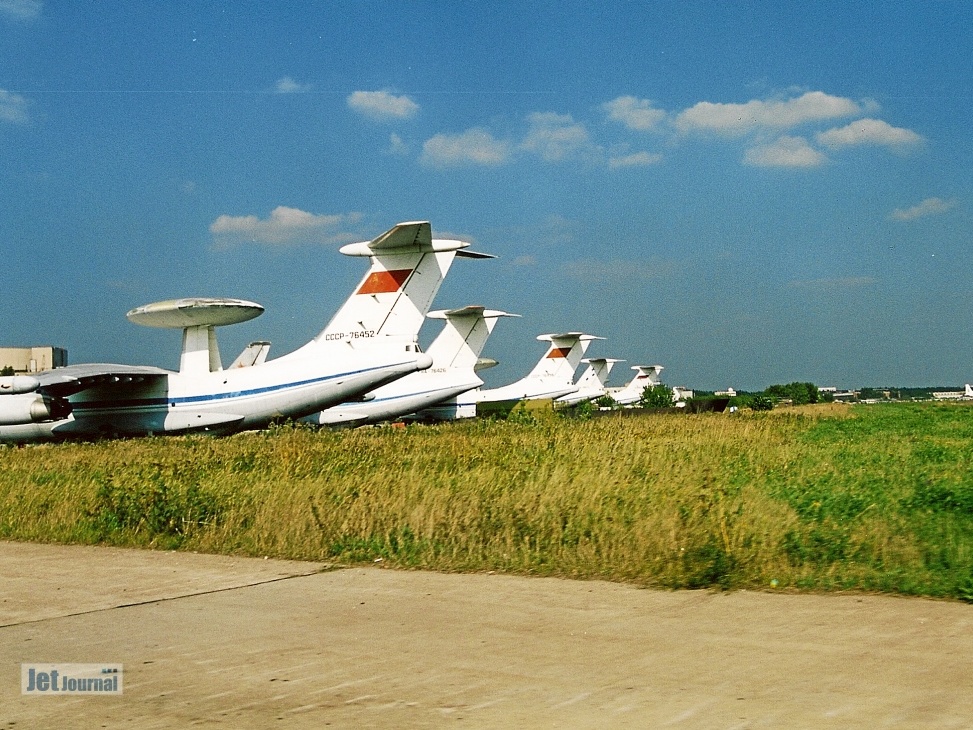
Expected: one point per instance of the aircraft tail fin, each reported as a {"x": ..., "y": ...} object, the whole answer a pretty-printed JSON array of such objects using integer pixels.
[
  {"x": 464, "y": 335},
  {"x": 646, "y": 375},
  {"x": 407, "y": 268},
  {"x": 968, "y": 391},
  {"x": 596, "y": 374},
  {"x": 253, "y": 354},
  {"x": 563, "y": 355}
]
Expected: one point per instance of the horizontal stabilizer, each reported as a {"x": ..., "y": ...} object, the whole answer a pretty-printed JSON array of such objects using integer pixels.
[
  {"x": 474, "y": 255},
  {"x": 415, "y": 236},
  {"x": 472, "y": 310},
  {"x": 485, "y": 363}
]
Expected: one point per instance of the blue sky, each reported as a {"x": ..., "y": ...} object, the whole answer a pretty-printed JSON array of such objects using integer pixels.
[{"x": 747, "y": 193}]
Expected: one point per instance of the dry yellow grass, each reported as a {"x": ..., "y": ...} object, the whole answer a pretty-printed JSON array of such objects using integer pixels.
[{"x": 664, "y": 500}]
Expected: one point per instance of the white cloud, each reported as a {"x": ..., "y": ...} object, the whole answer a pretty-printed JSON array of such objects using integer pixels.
[
  {"x": 636, "y": 114},
  {"x": 13, "y": 107},
  {"x": 555, "y": 136},
  {"x": 21, "y": 9},
  {"x": 739, "y": 119},
  {"x": 397, "y": 146},
  {"x": 285, "y": 225},
  {"x": 287, "y": 85},
  {"x": 636, "y": 159},
  {"x": 869, "y": 131},
  {"x": 382, "y": 105},
  {"x": 784, "y": 152},
  {"x": 473, "y": 147},
  {"x": 929, "y": 206}
]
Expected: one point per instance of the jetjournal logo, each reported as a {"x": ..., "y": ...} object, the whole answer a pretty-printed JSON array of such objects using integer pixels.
[{"x": 71, "y": 679}]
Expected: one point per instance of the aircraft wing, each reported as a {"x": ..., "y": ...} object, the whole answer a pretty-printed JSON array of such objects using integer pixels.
[{"x": 66, "y": 381}]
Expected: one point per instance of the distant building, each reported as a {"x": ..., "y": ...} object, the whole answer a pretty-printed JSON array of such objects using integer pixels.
[
  {"x": 33, "y": 359},
  {"x": 729, "y": 392},
  {"x": 681, "y": 393}
]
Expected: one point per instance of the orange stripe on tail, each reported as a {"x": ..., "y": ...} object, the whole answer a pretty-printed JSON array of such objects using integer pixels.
[
  {"x": 384, "y": 282},
  {"x": 560, "y": 352}
]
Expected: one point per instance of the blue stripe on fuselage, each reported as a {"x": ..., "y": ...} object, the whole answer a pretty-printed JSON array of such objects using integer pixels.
[{"x": 216, "y": 397}]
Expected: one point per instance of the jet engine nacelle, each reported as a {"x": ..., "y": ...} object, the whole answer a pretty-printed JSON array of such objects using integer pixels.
[
  {"x": 18, "y": 384},
  {"x": 31, "y": 408}
]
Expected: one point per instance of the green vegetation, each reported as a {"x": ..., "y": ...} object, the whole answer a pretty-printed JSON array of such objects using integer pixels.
[
  {"x": 656, "y": 396},
  {"x": 817, "y": 497},
  {"x": 799, "y": 394}
]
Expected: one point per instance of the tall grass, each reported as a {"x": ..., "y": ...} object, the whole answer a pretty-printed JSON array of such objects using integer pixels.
[{"x": 879, "y": 498}]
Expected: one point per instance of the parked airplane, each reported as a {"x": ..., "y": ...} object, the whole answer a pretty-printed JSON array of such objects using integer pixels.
[
  {"x": 552, "y": 376},
  {"x": 647, "y": 375},
  {"x": 366, "y": 345},
  {"x": 455, "y": 354},
  {"x": 591, "y": 384}
]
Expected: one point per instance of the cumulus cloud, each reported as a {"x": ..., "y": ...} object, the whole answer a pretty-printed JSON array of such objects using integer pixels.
[
  {"x": 473, "y": 147},
  {"x": 871, "y": 132},
  {"x": 13, "y": 107},
  {"x": 287, "y": 85},
  {"x": 382, "y": 106},
  {"x": 739, "y": 119},
  {"x": 784, "y": 152},
  {"x": 636, "y": 114},
  {"x": 21, "y": 9},
  {"x": 929, "y": 206},
  {"x": 284, "y": 226},
  {"x": 555, "y": 136},
  {"x": 636, "y": 159}
]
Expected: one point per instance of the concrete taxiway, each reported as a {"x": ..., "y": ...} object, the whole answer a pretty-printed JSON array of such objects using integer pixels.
[{"x": 211, "y": 641}]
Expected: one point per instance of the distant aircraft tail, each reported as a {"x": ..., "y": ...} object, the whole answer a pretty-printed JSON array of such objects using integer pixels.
[
  {"x": 253, "y": 354},
  {"x": 563, "y": 356},
  {"x": 407, "y": 268},
  {"x": 647, "y": 375},
  {"x": 968, "y": 391},
  {"x": 463, "y": 336},
  {"x": 596, "y": 375}
]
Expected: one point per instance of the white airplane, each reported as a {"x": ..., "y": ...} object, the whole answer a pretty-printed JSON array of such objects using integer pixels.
[
  {"x": 647, "y": 375},
  {"x": 552, "y": 376},
  {"x": 455, "y": 356},
  {"x": 362, "y": 348},
  {"x": 591, "y": 384}
]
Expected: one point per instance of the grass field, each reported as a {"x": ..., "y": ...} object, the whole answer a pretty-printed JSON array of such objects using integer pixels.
[{"x": 876, "y": 498}]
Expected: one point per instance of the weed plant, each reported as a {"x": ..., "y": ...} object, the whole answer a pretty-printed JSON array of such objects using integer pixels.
[{"x": 821, "y": 497}]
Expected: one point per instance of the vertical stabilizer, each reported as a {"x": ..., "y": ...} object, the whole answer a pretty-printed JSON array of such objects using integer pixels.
[
  {"x": 646, "y": 375},
  {"x": 253, "y": 354},
  {"x": 563, "y": 355},
  {"x": 596, "y": 375},
  {"x": 407, "y": 268},
  {"x": 463, "y": 336}
]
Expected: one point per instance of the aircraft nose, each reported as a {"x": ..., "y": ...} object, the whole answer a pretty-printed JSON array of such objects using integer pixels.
[{"x": 423, "y": 361}]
